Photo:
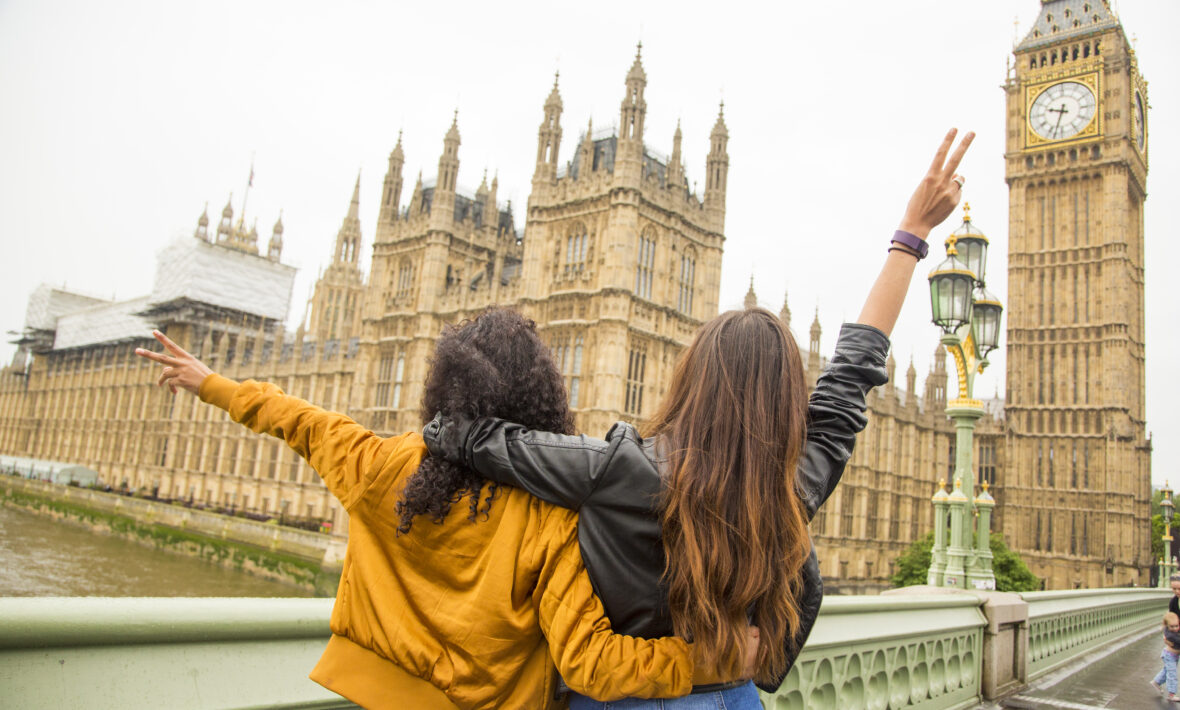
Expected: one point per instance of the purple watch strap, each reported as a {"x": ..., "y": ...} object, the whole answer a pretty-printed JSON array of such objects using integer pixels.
[{"x": 909, "y": 240}]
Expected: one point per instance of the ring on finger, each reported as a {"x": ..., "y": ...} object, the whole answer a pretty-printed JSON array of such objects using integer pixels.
[{"x": 959, "y": 180}]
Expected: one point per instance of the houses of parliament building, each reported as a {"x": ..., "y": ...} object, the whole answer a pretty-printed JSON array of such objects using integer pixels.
[{"x": 619, "y": 262}]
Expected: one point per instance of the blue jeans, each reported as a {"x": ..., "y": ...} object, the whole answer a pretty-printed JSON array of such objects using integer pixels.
[
  {"x": 744, "y": 697},
  {"x": 1168, "y": 673}
]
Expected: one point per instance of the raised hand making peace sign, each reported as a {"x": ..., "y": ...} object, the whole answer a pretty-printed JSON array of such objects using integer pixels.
[
  {"x": 940, "y": 189},
  {"x": 180, "y": 368}
]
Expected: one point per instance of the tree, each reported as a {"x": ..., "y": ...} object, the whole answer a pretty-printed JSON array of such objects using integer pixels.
[{"x": 1012, "y": 574}]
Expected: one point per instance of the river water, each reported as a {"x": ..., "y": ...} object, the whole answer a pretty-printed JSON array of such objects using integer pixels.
[{"x": 42, "y": 557}]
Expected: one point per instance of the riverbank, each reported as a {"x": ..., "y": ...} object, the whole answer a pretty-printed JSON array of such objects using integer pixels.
[{"x": 267, "y": 550}]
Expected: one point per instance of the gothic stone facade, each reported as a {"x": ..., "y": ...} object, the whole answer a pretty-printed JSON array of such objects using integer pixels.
[{"x": 618, "y": 263}]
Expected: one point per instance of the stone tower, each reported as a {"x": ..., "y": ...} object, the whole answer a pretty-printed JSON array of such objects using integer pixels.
[
  {"x": 339, "y": 292},
  {"x": 621, "y": 261},
  {"x": 1077, "y": 489}
]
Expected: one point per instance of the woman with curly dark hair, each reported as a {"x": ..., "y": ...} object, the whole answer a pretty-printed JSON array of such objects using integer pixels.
[
  {"x": 699, "y": 526},
  {"x": 451, "y": 613},
  {"x": 492, "y": 366}
]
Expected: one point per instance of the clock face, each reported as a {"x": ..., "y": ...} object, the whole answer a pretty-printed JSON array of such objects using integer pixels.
[
  {"x": 1140, "y": 128},
  {"x": 1062, "y": 110}
]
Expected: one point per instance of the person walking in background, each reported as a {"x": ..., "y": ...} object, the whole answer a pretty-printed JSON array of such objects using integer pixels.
[
  {"x": 699, "y": 527},
  {"x": 1169, "y": 655},
  {"x": 451, "y": 613}
]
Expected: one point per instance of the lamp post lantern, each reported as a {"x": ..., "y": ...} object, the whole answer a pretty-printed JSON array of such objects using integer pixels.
[
  {"x": 1169, "y": 510},
  {"x": 969, "y": 318}
]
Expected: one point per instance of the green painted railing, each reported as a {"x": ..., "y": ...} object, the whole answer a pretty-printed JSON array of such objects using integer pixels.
[
  {"x": 163, "y": 653},
  {"x": 904, "y": 651},
  {"x": 1064, "y": 625},
  {"x": 897, "y": 652}
]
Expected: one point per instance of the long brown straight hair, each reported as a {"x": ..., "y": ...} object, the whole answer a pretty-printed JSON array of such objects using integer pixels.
[{"x": 734, "y": 526}]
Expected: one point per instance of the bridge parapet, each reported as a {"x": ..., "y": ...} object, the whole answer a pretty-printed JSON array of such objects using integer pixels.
[
  {"x": 907, "y": 650},
  {"x": 1066, "y": 624},
  {"x": 921, "y": 652}
]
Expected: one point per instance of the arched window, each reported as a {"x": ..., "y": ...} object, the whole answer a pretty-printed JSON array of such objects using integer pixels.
[
  {"x": 405, "y": 278},
  {"x": 687, "y": 281},
  {"x": 645, "y": 263},
  {"x": 577, "y": 249},
  {"x": 567, "y": 354}
]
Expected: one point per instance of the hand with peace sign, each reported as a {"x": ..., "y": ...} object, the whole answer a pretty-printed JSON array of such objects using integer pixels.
[
  {"x": 933, "y": 201},
  {"x": 180, "y": 368},
  {"x": 940, "y": 189}
]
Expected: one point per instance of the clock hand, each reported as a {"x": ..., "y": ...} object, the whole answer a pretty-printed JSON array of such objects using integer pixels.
[{"x": 1060, "y": 113}]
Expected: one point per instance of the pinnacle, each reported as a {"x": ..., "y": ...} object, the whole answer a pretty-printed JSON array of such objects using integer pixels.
[
  {"x": 453, "y": 133},
  {"x": 354, "y": 207},
  {"x": 719, "y": 128},
  {"x": 751, "y": 300},
  {"x": 554, "y": 99},
  {"x": 637, "y": 73}
]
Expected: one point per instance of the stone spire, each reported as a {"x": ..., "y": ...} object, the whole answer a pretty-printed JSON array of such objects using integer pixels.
[
  {"x": 549, "y": 136},
  {"x": 634, "y": 108},
  {"x": 274, "y": 249},
  {"x": 717, "y": 170},
  {"x": 675, "y": 164},
  {"x": 911, "y": 382},
  {"x": 225, "y": 227},
  {"x": 751, "y": 300},
  {"x": 816, "y": 331},
  {"x": 348, "y": 238},
  {"x": 391, "y": 193},
  {"x": 785, "y": 314},
  {"x": 448, "y": 162},
  {"x": 586, "y": 151},
  {"x": 202, "y": 230}
]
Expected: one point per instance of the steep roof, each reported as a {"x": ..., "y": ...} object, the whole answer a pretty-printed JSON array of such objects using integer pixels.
[{"x": 1062, "y": 19}]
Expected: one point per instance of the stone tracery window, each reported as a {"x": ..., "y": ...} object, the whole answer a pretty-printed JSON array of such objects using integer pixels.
[
  {"x": 686, "y": 281},
  {"x": 577, "y": 249},
  {"x": 645, "y": 263}
]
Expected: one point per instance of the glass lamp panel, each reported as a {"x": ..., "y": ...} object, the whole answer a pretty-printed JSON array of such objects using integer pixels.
[
  {"x": 961, "y": 299},
  {"x": 973, "y": 252},
  {"x": 985, "y": 325}
]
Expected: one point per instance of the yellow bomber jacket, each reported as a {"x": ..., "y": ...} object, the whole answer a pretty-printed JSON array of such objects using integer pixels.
[{"x": 481, "y": 611}]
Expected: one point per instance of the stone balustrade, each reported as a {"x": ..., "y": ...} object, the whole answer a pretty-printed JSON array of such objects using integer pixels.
[
  {"x": 1063, "y": 625},
  {"x": 904, "y": 650}
]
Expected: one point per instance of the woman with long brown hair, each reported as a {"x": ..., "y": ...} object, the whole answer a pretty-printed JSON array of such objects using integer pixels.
[{"x": 699, "y": 527}]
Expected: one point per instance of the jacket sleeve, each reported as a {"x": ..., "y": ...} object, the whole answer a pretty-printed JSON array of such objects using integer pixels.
[
  {"x": 591, "y": 658},
  {"x": 836, "y": 411},
  {"x": 558, "y": 469},
  {"x": 345, "y": 454}
]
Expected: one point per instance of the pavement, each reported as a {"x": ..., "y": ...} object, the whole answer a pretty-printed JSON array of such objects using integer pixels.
[{"x": 1113, "y": 676}]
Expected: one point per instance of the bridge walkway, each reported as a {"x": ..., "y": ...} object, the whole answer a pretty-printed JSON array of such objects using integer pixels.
[{"x": 1113, "y": 677}]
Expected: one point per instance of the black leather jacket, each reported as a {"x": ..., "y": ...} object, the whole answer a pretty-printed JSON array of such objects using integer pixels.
[{"x": 614, "y": 484}]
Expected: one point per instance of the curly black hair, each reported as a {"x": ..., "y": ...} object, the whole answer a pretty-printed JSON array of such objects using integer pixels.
[{"x": 495, "y": 366}]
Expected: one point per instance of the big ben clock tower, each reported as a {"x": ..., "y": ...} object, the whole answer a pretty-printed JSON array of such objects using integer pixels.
[{"x": 1077, "y": 494}]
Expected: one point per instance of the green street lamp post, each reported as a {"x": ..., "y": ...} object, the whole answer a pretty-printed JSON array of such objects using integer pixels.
[
  {"x": 969, "y": 317},
  {"x": 1167, "y": 565}
]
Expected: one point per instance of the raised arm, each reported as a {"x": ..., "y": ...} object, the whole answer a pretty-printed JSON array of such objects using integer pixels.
[
  {"x": 345, "y": 454},
  {"x": 836, "y": 410},
  {"x": 556, "y": 468},
  {"x": 932, "y": 202}
]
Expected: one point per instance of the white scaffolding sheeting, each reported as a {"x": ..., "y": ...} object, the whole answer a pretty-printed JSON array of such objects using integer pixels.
[
  {"x": 47, "y": 304},
  {"x": 103, "y": 324},
  {"x": 196, "y": 270}
]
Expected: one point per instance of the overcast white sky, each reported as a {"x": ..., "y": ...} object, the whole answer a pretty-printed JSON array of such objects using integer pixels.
[{"x": 121, "y": 119}]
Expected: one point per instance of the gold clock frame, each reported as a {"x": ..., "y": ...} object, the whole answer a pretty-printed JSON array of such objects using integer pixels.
[
  {"x": 1092, "y": 131},
  {"x": 1139, "y": 91}
]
